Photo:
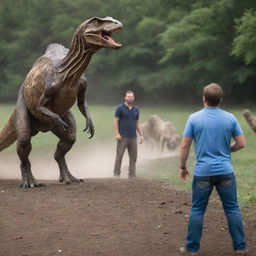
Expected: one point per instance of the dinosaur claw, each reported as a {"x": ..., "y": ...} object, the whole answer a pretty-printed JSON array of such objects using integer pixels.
[
  {"x": 64, "y": 128},
  {"x": 61, "y": 123},
  {"x": 30, "y": 183},
  {"x": 89, "y": 128},
  {"x": 24, "y": 185}
]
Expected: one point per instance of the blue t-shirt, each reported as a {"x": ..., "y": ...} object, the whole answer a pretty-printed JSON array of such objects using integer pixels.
[
  {"x": 127, "y": 120},
  {"x": 212, "y": 130}
]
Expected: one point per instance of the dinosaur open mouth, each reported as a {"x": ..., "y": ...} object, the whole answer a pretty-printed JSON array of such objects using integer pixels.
[{"x": 107, "y": 36}]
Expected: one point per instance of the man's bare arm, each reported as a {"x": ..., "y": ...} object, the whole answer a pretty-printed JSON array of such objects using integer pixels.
[
  {"x": 184, "y": 152},
  {"x": 116, "y": 128},
  {"x": 238, "y": 144},
  {"x": 138, "y": 128}
]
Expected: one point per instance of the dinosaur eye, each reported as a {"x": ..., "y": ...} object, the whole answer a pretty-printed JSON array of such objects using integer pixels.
[{"x": 97, "y": 22}]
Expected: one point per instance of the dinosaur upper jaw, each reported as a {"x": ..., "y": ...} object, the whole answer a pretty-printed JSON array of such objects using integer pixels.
[
  {"x": 107, "y": 36},
  {"x": 103, "y": 38}
]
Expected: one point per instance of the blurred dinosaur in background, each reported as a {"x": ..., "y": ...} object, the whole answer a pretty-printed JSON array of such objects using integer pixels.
[
  {"x": 50, "y": 89},
  {"x": 250, "y": 118}
]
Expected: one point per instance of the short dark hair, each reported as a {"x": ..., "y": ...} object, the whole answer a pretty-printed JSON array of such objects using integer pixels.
[
  {"x": 128, "y": 91},
  {"x": 213, "y": 94}
]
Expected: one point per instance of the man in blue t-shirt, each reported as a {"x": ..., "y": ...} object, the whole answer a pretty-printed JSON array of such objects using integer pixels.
[
  {"x": 212, "y": 130},
  {"x": 126, "y": 124}
]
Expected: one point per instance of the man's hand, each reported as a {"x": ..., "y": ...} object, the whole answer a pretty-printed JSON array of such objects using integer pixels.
[
  {"x": 184, "y": 173},
  {"x": 141, "y": 140},
  {"x": 184, "y": 151},
  {"x": 118, "y": 136},
  {"x": 238, "y": 144}
]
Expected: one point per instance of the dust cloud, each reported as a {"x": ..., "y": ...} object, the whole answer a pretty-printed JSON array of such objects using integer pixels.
[{"x": 96, "y": 161}]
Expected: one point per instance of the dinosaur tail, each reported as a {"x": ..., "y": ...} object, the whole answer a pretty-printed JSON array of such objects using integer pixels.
[{"x": 8, "y": 134}]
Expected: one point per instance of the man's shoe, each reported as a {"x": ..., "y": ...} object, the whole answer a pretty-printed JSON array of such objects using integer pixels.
[
  {"x": 117, "y": 175},
  {"x": 184, "y": 251},
  {"x": 242, "y": 252}
]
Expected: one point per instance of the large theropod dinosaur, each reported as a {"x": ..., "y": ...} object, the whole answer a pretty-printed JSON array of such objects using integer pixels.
[{"x": 50, "y": 89}]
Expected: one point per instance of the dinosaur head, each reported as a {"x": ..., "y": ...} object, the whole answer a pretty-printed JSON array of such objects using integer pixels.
[
  {"x": 98, "y": 32},
  {"x": 173, "y": 142},
  {"x": 247, "y": 113}
]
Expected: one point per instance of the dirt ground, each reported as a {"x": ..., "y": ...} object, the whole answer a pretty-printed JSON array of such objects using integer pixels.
[{"x": 108, "y": 217}]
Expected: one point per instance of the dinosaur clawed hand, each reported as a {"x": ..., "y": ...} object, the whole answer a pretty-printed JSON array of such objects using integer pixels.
[
  {"x": 89, "y": 128},
  {"x": 61, "y": 123}
]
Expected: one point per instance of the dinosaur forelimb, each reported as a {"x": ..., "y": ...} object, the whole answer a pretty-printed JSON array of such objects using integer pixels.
[
  {"x": 43, "y": 107},
  {"x": 89, "y": 128},
  {"x": 59, "y": 122},
  {"x": 83, "y": 107}
]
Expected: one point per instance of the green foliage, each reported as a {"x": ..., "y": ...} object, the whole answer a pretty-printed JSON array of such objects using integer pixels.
[
  {"x": 168, "y": 45},
  {"x": 244, "y": 43}
]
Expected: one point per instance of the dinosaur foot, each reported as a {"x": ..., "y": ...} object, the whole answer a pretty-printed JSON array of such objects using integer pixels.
[
  {"x": 30, "y": 183},
  {"x": 69, "y": 178}
]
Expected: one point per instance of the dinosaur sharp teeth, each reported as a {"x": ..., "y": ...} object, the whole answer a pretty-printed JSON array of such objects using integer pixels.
[{"x": 107, "y": 35}]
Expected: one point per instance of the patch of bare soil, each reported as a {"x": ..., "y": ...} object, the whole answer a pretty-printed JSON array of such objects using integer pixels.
[{"x": 108, "y": 217}]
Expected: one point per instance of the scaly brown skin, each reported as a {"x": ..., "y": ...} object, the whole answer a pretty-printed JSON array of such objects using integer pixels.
[
  {"x": 250, "y": 118},
  {"x": 50, "y": 89}
]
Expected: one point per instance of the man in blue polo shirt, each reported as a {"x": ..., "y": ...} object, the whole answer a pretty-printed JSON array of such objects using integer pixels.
[
  {"x": 126, "y": 123},
  {"x": 212, "y": 130}
]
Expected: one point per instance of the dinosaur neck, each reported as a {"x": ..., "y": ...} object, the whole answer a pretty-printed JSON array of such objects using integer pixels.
[{"x": 77, "y": 59}]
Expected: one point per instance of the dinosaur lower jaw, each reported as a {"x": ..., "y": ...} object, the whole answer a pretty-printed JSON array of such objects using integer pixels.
[
  {"x": 107, "y": 36},
  {"x": 110, "y": 40}
]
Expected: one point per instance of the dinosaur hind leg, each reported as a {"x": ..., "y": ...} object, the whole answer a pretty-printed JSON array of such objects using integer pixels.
[
  {"x": 67, "y": 139},
  {"x": 24, "y": 133}
]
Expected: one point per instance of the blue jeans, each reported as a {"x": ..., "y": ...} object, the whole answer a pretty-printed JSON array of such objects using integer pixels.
[{"x": 202, "y": 189}]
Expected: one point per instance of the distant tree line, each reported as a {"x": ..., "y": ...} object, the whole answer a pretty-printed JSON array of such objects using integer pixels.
[{"x": 171, "y": 48}]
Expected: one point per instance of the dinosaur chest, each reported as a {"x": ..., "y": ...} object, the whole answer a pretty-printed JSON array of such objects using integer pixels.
[{"x": 64, "y": 99}]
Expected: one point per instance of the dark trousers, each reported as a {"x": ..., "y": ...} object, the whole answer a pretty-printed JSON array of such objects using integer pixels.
[
  {"x": 226, "y": 188},
  {"x": 131, "y": 145}
]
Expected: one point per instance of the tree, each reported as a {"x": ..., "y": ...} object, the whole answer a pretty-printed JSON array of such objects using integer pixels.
[
  {"x": 171, "y": 48},
  {"x": 245, "y": 41}
]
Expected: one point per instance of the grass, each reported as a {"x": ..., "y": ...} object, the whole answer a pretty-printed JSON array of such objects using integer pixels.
[{"x": 165, "y": 168}]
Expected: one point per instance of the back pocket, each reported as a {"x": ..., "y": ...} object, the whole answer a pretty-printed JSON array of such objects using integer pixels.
[{"x": 203, "y": 183}]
